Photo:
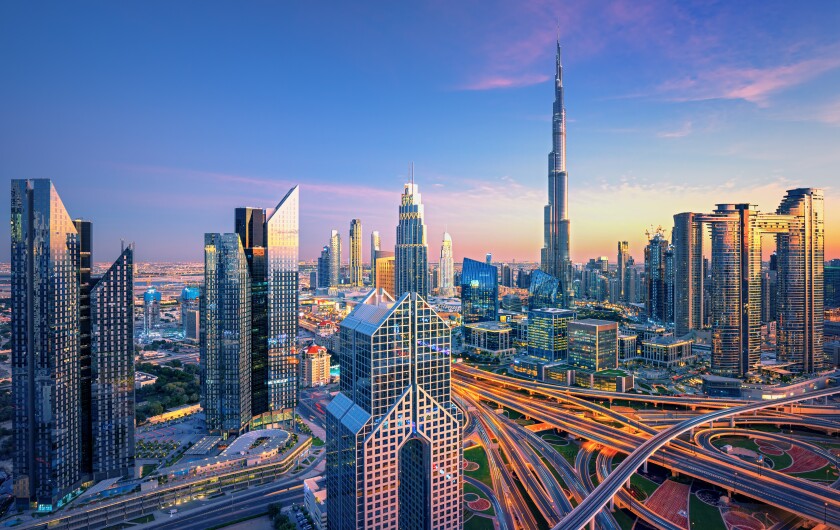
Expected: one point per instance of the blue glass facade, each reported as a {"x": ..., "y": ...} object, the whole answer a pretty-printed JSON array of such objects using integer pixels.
[
  {"x": 479, "y": 292},
  {"x": 544, "y": 291}
]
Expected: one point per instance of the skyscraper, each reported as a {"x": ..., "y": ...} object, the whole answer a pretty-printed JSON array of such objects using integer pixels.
[
  {"x": 190, "y": 301},
  {"x": 655, "y": 281},
  {"x": 335, "y": 258},
  {"x": 447, "y": 267},
  {"x": 394, "y": 450},
  {"x": 548, "y": 336},
  {"x": 249, "y": 224},
  {"x": 479, "y": 292},
  {"x": 67, "y": 428},
  {"x": 621, "y": 268},
  {"x": 324, "y": 264},
  {"x": 688, "y": 273},
  {"x": 384, "y": 265},
  {"x": 801, "y": 296},
  {"x": 411, "y": 251},
  {"x": 282, "y": 234},
  {"x": 356, "y": 252},
  {"x": 112, "y": 370},
  {"x": 555, "y": 256},
  {"x": 544, "y": 291},
  {"x": 375, "y": 244},
  {"x": 151, "y": 311},
  {"x": 226, "y": 335}
]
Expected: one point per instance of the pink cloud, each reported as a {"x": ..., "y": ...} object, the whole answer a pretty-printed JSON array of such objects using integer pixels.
[{"x": 492, "y": 83}]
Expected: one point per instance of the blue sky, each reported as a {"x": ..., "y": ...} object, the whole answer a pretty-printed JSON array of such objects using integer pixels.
[{"x": 157, "y": 119}]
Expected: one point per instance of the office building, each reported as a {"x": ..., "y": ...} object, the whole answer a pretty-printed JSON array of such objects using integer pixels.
[
  {"x": 688, "y": 273},
  {"x": 315, "y": 501},
  {"x": 394, "y": 447},
  {"x": 621, "y": 268},
  {"x": 412, "y": 252},
  {"x": 385, "y": 271},
  {"x": 523, "y": 279},
  {"x": 375, "y": 245},
  {"x": 655, "y": 277},
  {"x": 489, "y": 338},
  {"x": 593, "y": 344},
  {"x": 356, "y": 252},
  {"x": 335, "y": 258},
  {"x": 72, "y": 353},
  {"x": 151, "y": 311},
  {"x": 479, "y": 292},
  {"x": 315, "y": 368},
  {"x": 282, "y": 235},
  {"x": 831, "y": 282},
  {"x": 447, "y": 267},
  {"x": 667, "y": 352},
  {"x": 548, "y": 336},
  {"x": 249, "y": 223},
  {"x": 112, "y": 370},
  {"x": 544, "y": 291},
  {"x": 192, "y": 324},
  {"x": 511, "y": 302},
  {"x": 555, "y": 255},
  {"x": 627, "y": 348},
  {"x": 324, "y": 264},
  {"x": 189, "y": 302},
  {"x": 226, "y": 336}
]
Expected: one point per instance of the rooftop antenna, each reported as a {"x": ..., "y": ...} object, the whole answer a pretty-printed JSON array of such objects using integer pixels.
[{"x": 411, "y": 172}]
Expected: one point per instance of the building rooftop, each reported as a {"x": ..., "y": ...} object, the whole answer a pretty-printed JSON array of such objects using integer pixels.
[
  {"x": 667, "y": 340},
  {"x": 595, "y": 322},
  {"x": 555, "y": 310},
  {"x": 490, "y": 325}
]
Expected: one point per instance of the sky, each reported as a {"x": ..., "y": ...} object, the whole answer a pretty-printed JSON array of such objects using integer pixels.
[{"x": 156, "y": 119}]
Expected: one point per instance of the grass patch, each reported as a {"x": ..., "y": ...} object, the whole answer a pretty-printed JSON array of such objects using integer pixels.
[
  {"x": 469, "y": 488},
  {"x": 478, "y": 523},
  {"x": 624, "y": 520},
  {"x": 145, "y": 519},
  {"x": 476, "y": 454},
  {"x": 542, "y": 524},
  {"x": 703, "y": 515},
  {"x": 644, "y": 485},
  {"x": 736, "y": 441},
  {"x": 147, "y": 469},
  {"x": 317, "y": 442},
  {"x": 827, "y": 473}
]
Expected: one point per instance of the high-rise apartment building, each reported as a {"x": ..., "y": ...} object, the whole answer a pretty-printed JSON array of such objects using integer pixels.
[
  {"x": 226, "y": 336},
  {"x": 190, "y": 301},
  {"x": 335, "y": 258},
  {"x": 621, "y": 268},
  {"x": 315, "y": 368},
  {"x": 324, "y": 264},
  {"x": 151, "y": 311},
  {"x": 112, "y": 370},
  {"x": 479, "y": 292},
  {"x": 67, "y": 428},
  {"x": 447, "y": 267},
  {"x": 548, "y": 336},
  {"x": 411, "y": 251},
  {"x": 555, "y": 255},
  {"x": 356, "y": 252},
  {"x": 688, "y": 273},
  {"x": 394, "y": 448},
  {"x": 375, "y": 244},
  {"x": 655, "y": 277},
  {"x": 282, "y": 235},
  {"x": 385, "y": 271}
]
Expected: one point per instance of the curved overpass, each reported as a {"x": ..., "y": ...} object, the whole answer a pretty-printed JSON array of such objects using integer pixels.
[{"x": 600, "y": 497}]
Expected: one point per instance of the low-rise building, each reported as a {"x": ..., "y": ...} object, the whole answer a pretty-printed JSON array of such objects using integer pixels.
[
  {"x": 315, "y": 501},
  {"x": 627, "y": 348},
  {"x": 609, "y": 380},
  {"x": 489, "y": 338},
  {"x": 667, "y": 352},
  {"x": 593, "y": 344},
  {"x": 315, "y": 368},
  {"x": 718, "y": 386},
  {"x": 142, "y": 379}
]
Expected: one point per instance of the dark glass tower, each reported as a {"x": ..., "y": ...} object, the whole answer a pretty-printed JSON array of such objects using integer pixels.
[
  {"x": 555, "y": 256},
  {"x": 226, "y": 335},
  {"x": 85, "y": 231},
  {"x": 655, "y": 278},
  {"x": 479, "y": 292},
  {"x": 45, "y": 346},
  {"x": 394, "y": 448},
  {"x": 544, "y": 291},
  {"x": 112, "y": 369}
]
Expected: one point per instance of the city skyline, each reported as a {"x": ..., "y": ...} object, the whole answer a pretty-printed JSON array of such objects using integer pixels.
[{"x": 710, "y": 116}]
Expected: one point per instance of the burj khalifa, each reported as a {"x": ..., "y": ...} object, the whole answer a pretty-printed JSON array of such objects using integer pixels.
[{"x": 555, "y": 256}]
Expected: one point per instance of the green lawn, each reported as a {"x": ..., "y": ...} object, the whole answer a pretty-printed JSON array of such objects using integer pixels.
[
  {"x": 469, "y": 488},
  {"x": 735, "y": 441},
  {"x": 146, "y": 469},
  {"x": 474, "y": 522},
  {"x": 317, "y": 442},
  {"x": 704, "y": 516},
  {"x": 476, "y": 454},
  {"x": 624, "y": 521},
  {"x": 647, "y": 486},
  {"x": 780, "y": 461},
  {"x": 819, "y": 474},
  {"x": 569, "y": 450}
]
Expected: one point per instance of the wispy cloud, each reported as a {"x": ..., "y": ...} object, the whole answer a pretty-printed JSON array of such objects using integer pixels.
[
  {"x": 492, "y": 83},
  {"x": 682, "y": 132}
]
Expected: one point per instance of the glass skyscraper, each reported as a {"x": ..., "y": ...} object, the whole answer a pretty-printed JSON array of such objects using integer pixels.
[
  {"x": 621, "y": 268},
  {"x": 226, "y": 336},
  {"x": 544, "y": 291},
  {"x": 411, "y": 252},
  {"x": 283, "y": 299},
  {"x": 375, "y": 244},
  {"x": 335, "y": 258},
  {"x": 394, "y": 447},
  {"x": 479, "y": 292},
  {"x": 57, "y": 335},
  {"x": 688, "y": 273},
  {"x": 593, "y": 344},
  {"x": 356, "y": 252},
  {"x": 655, "y": 278}
]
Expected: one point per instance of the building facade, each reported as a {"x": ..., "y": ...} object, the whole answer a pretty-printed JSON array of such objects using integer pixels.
[
  {"x": 356, "y": 252},
  {"x": 544, "y": 290},
  {"x": 411, "y": 252},
  {"x": 394, "y": 443},
  {"x": 655, "y": 278},
  {"x": 688, "y": 273},
  {"x": 315, "y": 368},
  {"x": 593, "y": 344},
  {"x": 335, "y": 258},
  {"x": 447, "y": 267},
  {"x": 548, "y": 336},
  {"x": 151, "y": 311},
  {"x": 479, "y": 292},
  {"x": 226, "y": 336},
  {"x": 375, "y": 245},
  {"x": 385, "y": 271}
]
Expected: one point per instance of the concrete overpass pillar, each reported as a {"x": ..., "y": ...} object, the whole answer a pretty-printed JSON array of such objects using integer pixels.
[
  {"x": 592, "y": 524},
  {"x": 691, "y": 433},
  {"x": 627, "y": 484},
  {"x": 732, "y": 421},
  {"x": 644, "y": 468},
  {"x": 612, "y": 503}
]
